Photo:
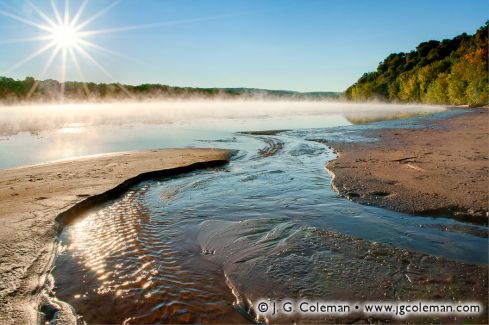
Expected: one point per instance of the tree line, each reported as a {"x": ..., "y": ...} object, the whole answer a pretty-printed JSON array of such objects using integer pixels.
[
  {"x": 14, "y": 91},
  {"x": 453, "y": 71}
]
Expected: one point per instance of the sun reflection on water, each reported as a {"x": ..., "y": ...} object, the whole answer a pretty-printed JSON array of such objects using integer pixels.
[
  {"x": 111, "y": 245},
  {"x": 126, "y": 262},
  {"x": 73, "y": 128}
]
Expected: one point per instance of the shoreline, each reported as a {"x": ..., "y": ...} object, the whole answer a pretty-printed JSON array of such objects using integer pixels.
[
  {"x": 36, "y": 201},
  {"x": 438, "y": 169}
]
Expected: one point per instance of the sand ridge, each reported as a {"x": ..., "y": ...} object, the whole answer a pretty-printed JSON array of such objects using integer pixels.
[{"x": 34, "y": 200}]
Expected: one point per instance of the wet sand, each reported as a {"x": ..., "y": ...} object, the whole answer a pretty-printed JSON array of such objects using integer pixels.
[
  {"x": 441, "y": 168},
  {"x": 35, "y": 201},
  {"x": 335, "y": 267}
]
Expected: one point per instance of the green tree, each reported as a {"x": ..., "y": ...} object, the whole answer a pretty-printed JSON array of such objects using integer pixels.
[
  {"x": 453, "y": 71},
  {"x": 436, "y": 92}
]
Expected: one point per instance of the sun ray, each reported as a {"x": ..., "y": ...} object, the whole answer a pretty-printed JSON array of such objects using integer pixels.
[
  {"x": 25, "y": 21},
  {"x": 64, "y": 54},
  {"x": 33, "y": 89},
  {"x": 41, "y": 13},
  {"x": 148, "y": 26},
  {"x": 67, "y": 12},
  {"x": 80, "y": 73},
  {"x": 106, "y": 50},
  {"x": 30, "y": 57},
  {"x": 56, "y": 13},
  {"x": 104, "y": 71},
  {"x": 44, "y": 70},
  {"x": 50, "y": 61},
  {"x": 25, "y": 40},
  {"x": 79, "y": 13},
  {"x": 98, "y": 14}
]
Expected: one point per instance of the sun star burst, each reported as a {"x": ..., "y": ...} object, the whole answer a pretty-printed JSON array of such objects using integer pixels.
[{"x": 66, "y": 36}]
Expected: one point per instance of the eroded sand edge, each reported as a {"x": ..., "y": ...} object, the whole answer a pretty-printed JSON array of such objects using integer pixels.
[{"x": 36, "y": 200}]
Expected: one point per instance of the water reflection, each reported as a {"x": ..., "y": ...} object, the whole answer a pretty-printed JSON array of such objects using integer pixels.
[
  {"x": 117, "y": 259},
  {"x": 73, "y": 128},
  {"x": 37, "y": 134},
  {"x": 371, "y": 117}
]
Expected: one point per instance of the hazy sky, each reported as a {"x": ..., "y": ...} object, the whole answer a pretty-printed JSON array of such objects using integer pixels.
[{"x": 301, "y": 45}]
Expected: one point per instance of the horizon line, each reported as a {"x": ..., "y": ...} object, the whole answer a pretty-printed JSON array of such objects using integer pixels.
[{"x": 177, "y": 86}]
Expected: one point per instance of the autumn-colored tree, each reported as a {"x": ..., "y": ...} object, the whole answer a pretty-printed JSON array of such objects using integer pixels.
[
  {"x": 437, "y": 90},
  {"x": 448, "y": 72}
]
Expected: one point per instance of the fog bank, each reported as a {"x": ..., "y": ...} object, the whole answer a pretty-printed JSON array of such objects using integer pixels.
[{"x": 36, "y": 118}]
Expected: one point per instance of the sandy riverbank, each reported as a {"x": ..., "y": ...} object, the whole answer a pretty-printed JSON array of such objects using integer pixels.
[
  {"x": 36, "y": 200},
  {"x": 441, "y": 168}
]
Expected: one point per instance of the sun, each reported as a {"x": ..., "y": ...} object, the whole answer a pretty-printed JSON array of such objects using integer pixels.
[{"x": 66, "y": 36}]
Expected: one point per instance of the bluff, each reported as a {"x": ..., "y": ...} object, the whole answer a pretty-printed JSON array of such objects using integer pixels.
[{"x": 452, "y": 71}]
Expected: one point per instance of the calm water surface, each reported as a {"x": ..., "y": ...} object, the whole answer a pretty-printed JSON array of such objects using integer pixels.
[{"x": 38, "y": 134}]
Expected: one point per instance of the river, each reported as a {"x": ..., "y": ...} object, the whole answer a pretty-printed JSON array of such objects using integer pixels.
[{"x": 172, "y": 249}]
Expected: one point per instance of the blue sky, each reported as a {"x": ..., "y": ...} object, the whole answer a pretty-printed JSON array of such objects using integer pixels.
[{"x": 307, "y": 45}]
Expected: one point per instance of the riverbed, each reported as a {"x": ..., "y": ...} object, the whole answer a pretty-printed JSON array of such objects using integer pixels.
[{"x": 167, "y": 249}]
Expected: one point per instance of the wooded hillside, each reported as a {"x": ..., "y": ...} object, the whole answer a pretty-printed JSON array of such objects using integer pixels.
[{"x": 453, "y": 71}]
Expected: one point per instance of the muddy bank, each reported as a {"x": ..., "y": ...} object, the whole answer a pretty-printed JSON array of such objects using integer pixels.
[
  {"x": 35, "y": 201},
  {"x": 440, "y": 168}
]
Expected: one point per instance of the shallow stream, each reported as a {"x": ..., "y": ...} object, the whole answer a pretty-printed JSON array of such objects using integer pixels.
[{"x": 161, "y": 252}]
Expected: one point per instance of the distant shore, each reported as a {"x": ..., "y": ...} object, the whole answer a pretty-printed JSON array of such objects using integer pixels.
[
  {"x": 36, "y": 201},
  {"x": 439, "y": 168}
]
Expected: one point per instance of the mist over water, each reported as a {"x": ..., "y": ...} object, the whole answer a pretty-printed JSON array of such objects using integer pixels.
[
  {"x": 33, "y": 134},
  {"x": 35, "y": 118}
]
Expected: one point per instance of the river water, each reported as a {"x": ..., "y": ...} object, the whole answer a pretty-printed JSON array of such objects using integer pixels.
[{"x": 161, "y": 252}]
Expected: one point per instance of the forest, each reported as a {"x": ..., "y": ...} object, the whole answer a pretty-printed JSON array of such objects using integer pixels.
[
  {"x": 31, "y": 90},
  {"x": 451, "y": 71}
]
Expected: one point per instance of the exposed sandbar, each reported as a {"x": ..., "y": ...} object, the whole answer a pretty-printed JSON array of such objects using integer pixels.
[
  {"x": 441, "y": 168},
  {"x": 35, "y": 201}
]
